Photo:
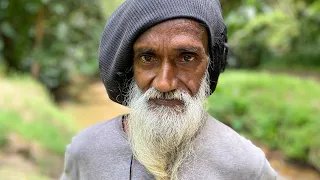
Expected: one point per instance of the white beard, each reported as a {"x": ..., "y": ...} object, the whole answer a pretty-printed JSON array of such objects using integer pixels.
[{"x": 161, "y": 136}]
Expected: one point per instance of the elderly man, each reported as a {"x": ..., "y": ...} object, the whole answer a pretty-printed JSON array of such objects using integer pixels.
[{"x": 162, "y": 58}]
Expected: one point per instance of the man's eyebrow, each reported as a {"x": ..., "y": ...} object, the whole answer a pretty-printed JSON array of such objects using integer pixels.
[
  {"x": 144, "y": 51},
  {"x": 193, "y": 49}
]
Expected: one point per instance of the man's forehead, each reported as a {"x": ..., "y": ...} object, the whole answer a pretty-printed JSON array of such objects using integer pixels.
[
  {"x": 180, "y": 31},
  {"x": 178, "y": 24}
]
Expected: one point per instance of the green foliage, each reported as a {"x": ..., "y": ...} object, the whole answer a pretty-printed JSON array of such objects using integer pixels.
[
  {"x": 279, "y": 111},
  {"x": 110, "y": 6},
  {"x": 27, "y": 110},
  {"x": 51, "y": 39},
  {"x": 282, "y": 31}
]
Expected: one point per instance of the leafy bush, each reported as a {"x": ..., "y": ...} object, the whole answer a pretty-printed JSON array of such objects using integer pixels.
[
  {"x": 27, "y": 110},
  {"x": 280, "y": 111},
  {"x": 274, "y": 32}
]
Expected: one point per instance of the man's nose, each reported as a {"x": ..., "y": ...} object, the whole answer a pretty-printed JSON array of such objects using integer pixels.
[{"x": 166, "y": 79}]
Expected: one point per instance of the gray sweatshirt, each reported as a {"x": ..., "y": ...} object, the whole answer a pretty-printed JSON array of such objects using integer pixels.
[{"x": 102, "y": 152}]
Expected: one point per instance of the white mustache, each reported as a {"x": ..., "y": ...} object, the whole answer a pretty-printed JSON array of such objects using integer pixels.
[{"x": 152, "y": 93}]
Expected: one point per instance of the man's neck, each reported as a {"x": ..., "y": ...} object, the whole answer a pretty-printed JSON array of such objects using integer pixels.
[{"x": 125, "y": 124}]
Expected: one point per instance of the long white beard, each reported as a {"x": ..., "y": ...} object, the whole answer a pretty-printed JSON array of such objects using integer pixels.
[{"x": 161, "y": 136}]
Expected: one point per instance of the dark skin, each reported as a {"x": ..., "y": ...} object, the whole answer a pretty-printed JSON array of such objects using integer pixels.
[{"x": 169, "y": 56}]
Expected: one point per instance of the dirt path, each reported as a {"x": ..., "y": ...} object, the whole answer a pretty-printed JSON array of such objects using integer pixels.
[{"x": 94, "y": 106}]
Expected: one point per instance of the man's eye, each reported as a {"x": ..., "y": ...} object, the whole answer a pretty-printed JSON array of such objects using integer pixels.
[
  {"x": 146, "y": 58},
  {"x": 188, "y": 58}
]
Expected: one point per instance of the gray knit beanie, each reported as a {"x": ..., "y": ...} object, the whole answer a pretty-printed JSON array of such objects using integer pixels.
[{"x": 134, "y": 17}]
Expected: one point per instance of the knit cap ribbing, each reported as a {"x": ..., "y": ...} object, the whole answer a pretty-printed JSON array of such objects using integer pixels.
[{"x": 134, "y": 17}]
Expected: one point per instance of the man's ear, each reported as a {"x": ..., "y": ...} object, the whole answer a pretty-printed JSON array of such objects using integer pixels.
[{"x": 224, "y": 58}]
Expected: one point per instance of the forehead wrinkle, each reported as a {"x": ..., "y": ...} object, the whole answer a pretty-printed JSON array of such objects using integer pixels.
[
  {"x": 187, "y": 48},
  {"x": 194, "y": 26}
]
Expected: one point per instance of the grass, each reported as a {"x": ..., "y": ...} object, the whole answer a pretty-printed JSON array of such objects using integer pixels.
[{"x": 27, "y": 110}]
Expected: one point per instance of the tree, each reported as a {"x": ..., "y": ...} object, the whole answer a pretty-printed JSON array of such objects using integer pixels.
[{"x": 50, "y": 39}]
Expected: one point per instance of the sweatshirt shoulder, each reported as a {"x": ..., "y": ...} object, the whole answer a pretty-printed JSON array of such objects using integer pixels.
[
  {"x": 234, "y": 153},
  {"x": 101, "y": 129},
  {"x": 101, "y": 135},
  {"x": 93, "y": 147}
]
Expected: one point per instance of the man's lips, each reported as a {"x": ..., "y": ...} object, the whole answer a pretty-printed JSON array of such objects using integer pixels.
[{"x": 166, "y": 102}]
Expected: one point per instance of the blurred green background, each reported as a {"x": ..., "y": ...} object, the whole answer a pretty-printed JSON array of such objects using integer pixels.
[{"x": 50, "y": 87}]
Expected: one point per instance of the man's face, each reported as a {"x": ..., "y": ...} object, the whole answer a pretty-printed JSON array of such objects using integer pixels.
[
  {"x": 170, "y": 84},
  {"x": 172, "y": 55}
]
